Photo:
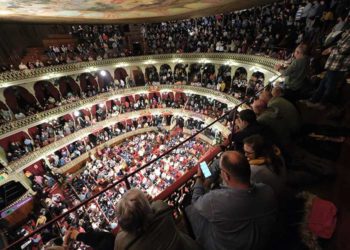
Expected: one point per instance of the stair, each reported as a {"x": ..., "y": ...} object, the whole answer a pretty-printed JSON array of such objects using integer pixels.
[{"x": 135, "y": 35}]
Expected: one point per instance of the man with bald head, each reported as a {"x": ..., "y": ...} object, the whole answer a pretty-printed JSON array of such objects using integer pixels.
[{"x": 239, "y": 215}]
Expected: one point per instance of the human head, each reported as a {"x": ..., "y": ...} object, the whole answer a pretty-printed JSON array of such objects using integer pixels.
[
  {"x": 265, "y": 96},
  {"x": 253, "y": 147},
  {"x": 235, "y": 169},
  {"x": 300, "y": 51},
  {"x": 133, "y": 211},
  {"x": 277, "y": 91},
  {"x": 247, "y": 117},
  {"x": 259, "y": 106}
]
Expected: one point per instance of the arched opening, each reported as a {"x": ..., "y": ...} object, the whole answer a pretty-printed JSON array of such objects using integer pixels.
[
  {"x": 208, "y": 74},
  {"x": 68, "y": 87},
  {"x": 47, "y": 94},
  {"x": 20, "y": 101},
  {"x": 180, "y": 73},
  {"x": 99, "y": 112},
  {"x": 5, "y": 113},
  {"x": 82, "y": 118},
  {"x": 43, "y": 134},
  {"x": 239, "y": 83},
  {"x": 120, "y": 74},
  {"x": 194, "y": 74},
  {"x": 224, "y": 76},
  {"x": 137, "y": 76},
  {"x": 105, "y": 80},
  {"x": 255, "y": 83},
  {"x": 88, "y": 84},
  {"x": 151, "y": 75},
  {"x": 16, "y": 145},
  {"x": 165, "y": 74}
]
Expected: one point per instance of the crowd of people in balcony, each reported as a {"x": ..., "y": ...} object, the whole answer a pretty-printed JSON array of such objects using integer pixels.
[
  {"x": 271, "y": 30},
  {"x": 258, "y": 172},
  {"x": 61, "y": 127}
]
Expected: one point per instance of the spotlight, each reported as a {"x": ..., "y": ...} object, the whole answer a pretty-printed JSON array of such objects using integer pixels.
[
  {"x": 101, "y": 105},
  {"x": 77, "y": 113},
  {"x": 103, "y": 73}
]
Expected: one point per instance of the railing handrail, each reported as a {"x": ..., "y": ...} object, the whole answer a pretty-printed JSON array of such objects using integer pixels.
[{"x": 125, "y": 178}]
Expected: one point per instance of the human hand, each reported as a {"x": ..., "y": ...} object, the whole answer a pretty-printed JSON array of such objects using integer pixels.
[{"x": 327, "y": 51}]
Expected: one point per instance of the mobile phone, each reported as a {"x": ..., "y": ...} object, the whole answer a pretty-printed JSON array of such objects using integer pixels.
[{"x": 205, "y": 169}]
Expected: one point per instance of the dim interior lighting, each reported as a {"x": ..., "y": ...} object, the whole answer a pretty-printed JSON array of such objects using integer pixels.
[
  {"x": 76, "y": 113},
  {"x": 103, "y": 73}
]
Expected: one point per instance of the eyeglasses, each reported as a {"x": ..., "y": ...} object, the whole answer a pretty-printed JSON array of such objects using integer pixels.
[{"x": 248, "y": 153}]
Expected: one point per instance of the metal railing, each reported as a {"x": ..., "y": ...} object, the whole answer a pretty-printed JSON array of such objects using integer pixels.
[{"x": 177, "y": 184}]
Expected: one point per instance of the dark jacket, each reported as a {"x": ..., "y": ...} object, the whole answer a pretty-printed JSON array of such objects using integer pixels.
[{"x": 161, "y": 234}]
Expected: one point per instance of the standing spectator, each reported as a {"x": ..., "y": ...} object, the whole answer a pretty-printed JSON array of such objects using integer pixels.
[{"x": 337, "y": 65}]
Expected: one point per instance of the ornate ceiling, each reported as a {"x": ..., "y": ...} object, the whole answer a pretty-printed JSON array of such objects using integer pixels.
[{"x": 114, "y": 10}]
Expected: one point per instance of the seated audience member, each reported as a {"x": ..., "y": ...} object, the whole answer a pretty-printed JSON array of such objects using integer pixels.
[
  {"x": 284, "y": 109},
  {"x": 246, "y": 125},
  {"x": 240, "y": 215},
  {"x": 148, "y": 225},
  {"x": 267, "y": 117},
  {"x": 266, "y": 164},
  {"x": 295, "y": 73}
]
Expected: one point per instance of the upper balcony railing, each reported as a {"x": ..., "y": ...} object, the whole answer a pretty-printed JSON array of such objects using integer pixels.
[
  {"x": 33, "y": 120},
  {"x": 16, "y": 77}
]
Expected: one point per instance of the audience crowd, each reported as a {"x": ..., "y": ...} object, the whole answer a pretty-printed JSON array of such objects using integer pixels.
[
  {"x": 247, "y": 202},
  {"x": 63, "y": 126}
]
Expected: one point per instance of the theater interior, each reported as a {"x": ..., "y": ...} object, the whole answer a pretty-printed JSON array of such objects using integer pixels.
[{"x": 232, "y": 117}]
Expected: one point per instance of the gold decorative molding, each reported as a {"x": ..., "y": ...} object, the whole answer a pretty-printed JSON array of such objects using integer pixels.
[
  {"x": 18, "y": 77},
  {"x": 35, "y": 156},
  {"x": 15, "y": 126}
]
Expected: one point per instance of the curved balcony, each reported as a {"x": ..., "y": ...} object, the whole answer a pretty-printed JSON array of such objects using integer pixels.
[
  {"x": 22, "y": 163},
  {"x": 33, "y": 120},
  {"x": 19, "y": 77}
]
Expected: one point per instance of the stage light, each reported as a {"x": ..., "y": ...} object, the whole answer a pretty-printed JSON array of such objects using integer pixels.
[
  {"x": 103, "y": 73},
  {"x": 101, "y": 105},
  {"x": 77, "y": 113}
]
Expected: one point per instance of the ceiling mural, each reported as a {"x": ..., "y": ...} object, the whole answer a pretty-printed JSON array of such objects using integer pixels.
[{"x": 80, "y": 10}]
